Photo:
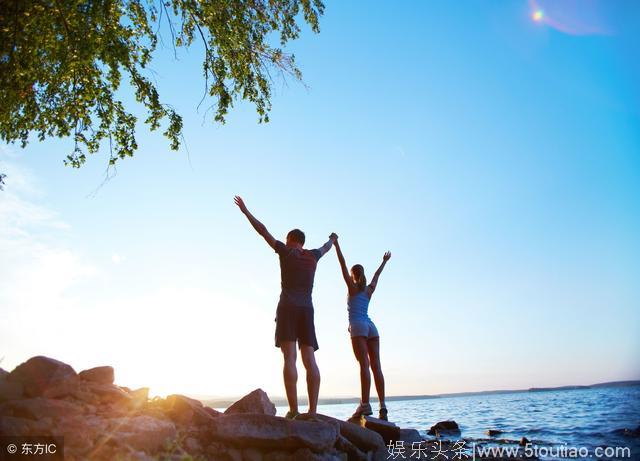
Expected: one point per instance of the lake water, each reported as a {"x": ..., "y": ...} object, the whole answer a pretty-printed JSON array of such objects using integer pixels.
[{"x": 576, "y": 418}]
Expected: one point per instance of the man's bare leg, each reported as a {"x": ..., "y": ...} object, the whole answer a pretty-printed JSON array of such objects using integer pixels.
[
  {"x": 313, "y": 376},
  {"x": 290, "y": 374}
]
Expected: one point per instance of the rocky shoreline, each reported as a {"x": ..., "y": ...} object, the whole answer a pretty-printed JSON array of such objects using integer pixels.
[{"x": 103, "y": 421}]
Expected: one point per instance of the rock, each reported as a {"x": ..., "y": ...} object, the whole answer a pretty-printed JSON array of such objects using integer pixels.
[
  {"x": 69, "y": 387},
  {"x": 212, "y": 411},
  {"x": 221, "y": 452},
  {"x": 303, "y": 454},
  {"x": 266, "y": 431},
  {"x": 73, "y": 388},
  {"x": 135, "y": 455},
  {"x": 139, "y": 396},
  {"x": 234, "y": 454},
  {"x": 353, "y": 452},
  {"x": 142, "y": 432},
  {"x": 102, "y": 375},
  {"x": 10, "y": 390},
  {"x": 524, "y": 441},
  {"x": 11, "y": 425},
  {"x": 314, "y": 417},
  {"x": 39, "y": 407},
  {"x": 38, "y": 373},
  {"x": 254, "y": 402},
  {"x": 629, "y": 432},
  {"x": 493, "y": 432},
  {"x": 364, "y": 439},
  {"x": 192, "y": 445},
  {"x": 251, "y": 454},
  {"x": 107, "y": 393},
  {"x": 449, "y": 427},
  {"x": 410, "y": 436},
  {"x": 81, "y": 432},
  {"x": 382, "y": 454},
  {"x": 387, "y": 430},
  {"x": 184, "y": 410}
]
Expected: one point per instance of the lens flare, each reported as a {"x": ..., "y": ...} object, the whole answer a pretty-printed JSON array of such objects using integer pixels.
[
  {"x": 537, "y": 15},
  {"x": 572, "y": 17}
]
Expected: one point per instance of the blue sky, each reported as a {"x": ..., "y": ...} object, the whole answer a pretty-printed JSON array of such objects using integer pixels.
[{"x": 497, "y": 157}]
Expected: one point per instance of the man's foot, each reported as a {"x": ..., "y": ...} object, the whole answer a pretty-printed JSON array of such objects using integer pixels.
[
  {"x": 383, "y": 414},
  {"x": 308, "y": 417},
  {"x": 364, "y": 409},
  {"x": 291, "y": 414}
]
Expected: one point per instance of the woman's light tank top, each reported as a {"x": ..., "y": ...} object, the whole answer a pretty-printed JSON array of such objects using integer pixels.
[{"x": 358, "y": 306}]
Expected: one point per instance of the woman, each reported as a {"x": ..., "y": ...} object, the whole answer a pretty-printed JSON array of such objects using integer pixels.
[{"x": 364, "y": 334}]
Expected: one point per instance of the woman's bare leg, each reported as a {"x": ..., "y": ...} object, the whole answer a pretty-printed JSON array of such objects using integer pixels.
[
  {"x": 360, "y": 350},
  {"x": 373, "y": 346}
]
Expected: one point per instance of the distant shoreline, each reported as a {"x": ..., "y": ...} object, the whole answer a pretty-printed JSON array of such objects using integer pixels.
[{"x": 280, "y": 401}]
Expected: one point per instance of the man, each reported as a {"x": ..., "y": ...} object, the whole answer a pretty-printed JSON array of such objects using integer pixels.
[{"x": 294, "y": 316}]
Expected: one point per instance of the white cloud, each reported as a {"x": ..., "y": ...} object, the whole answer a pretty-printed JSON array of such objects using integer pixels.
[
  {"x": 19, "y": 210},
  {"x": 37, "y": 269},
  {"x": 117, "y": 258}
]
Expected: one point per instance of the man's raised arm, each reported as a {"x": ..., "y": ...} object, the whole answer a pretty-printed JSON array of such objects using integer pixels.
[
  {"x": 257, "y": 225},
  {"x": 327, "y": 246}
]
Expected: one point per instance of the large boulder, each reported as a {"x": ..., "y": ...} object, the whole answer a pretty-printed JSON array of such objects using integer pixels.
[
  {"x": 272, "y": 432},
  {"x": 387, "y": 430},
  {"x": 410, "y": 436},
  {"x": 16, "y": 426},
  {"x": 353, "y": 453},
  {"x": 39, "y": 407},
  {"x": 64, "y": 388},
  {"x": 448, "y": 427},
  {"x": 363, "y": 438},
  {"x": 216, "y": 451},
  {"x": 38, "y": 373},
  {"x": 11, "y": 425},
  {"x": 251, "y": 454},
  {"x": 139, "y": 396},
  {"x": 185, "y": 410},
  {"x": 254, "y": 402},
  {"x": 107, "y": 393},
  {"x": 629, "y": 432},
  {"x": 81, "y": 432},
  {"x": 302, "y": 454},
  {"x": 9, "y": 390},
  {"x": 142, "y": 432},
  {"x": 103, "y": 375}
]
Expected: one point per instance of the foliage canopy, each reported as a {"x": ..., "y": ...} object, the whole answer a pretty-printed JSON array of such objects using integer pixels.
[{"x": 62, "y": 61}]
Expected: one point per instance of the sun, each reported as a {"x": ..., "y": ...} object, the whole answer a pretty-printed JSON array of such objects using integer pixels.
[{"x": 537, "y": 15}]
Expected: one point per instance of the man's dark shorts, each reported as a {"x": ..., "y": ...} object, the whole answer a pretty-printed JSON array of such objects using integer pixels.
[{"x": 296, "y": 324}]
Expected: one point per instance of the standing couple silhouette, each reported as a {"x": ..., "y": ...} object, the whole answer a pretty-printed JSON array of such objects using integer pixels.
[{"x": 294, "y": 317}]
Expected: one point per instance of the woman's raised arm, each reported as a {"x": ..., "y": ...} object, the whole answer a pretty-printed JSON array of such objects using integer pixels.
[
  {"x": 376, "y": 276},
  {"x": 343, "y": 266}
]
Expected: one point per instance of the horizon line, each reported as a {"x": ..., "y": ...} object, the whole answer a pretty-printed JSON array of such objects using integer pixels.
[{"x": 336, "y": 399}]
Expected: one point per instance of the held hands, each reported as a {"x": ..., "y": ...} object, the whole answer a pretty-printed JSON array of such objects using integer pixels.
[
  {"x": 333, "y": 237},
  {"x": 238, "y": 201},
  {"x": 387, "y": 256}
]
